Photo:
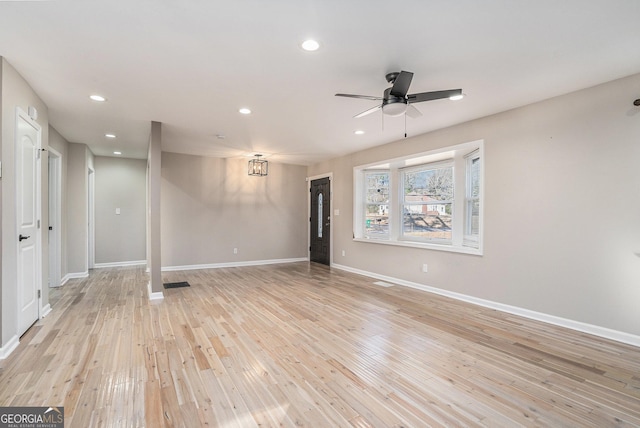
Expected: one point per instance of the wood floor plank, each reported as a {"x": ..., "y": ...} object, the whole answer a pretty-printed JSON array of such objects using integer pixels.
[{"x": 302, "y": 344}]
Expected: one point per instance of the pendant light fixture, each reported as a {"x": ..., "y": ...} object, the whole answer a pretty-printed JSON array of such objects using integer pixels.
[{"x": 258, "y": 167}]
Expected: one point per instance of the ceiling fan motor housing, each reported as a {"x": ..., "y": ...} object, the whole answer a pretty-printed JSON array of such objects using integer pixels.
[{"x": 391, "y": 77}]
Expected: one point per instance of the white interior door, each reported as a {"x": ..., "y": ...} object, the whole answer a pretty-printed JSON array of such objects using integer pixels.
[{"x": 27, "y": 207}]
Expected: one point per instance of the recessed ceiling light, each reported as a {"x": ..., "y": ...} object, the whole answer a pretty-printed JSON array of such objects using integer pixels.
[
  {"x": 359, "y": 132},
  {"x": 110, "y": 135},
  {"x": 117, "y": 153},
  {"x": 99, "y": 98},
  {"x": 245, "y": 110},
  {"x": 456, "y": 97},
  {"x": 310, "y": 45}
]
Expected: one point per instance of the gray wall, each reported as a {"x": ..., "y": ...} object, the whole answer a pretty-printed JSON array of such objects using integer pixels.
[
  {"x": 562, "y": 209},
  {"x": 79, "y": 160},
  {"x": 120, "y": 183},
  {"x": 16, "y": 92},
  {"x": 154, "y": 208},
  {"x": 211, "y": 206}
]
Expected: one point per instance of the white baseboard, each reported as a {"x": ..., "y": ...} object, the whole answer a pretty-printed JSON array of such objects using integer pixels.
[
  {"x": 74, "y": 275},
  {"x": 120, "y": 264},
  {"x": 158, "y": 295},
  {"x": 9, "y": 347},
  {"x": 233, "y": 264},
  {"x": 45, "y": 311},
  {"x": 618, "y": 336}
]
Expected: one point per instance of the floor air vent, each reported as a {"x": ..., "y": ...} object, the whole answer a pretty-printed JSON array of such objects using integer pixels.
[
  {"x": 176, "y": 284},
  {"x": 383, "y": 284}
]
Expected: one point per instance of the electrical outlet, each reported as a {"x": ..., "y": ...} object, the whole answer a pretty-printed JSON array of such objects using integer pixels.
[
  {"x": 344, "y": 253},
  {"x": 235, "y": 251},
  {"x": 425, "y": 268}
]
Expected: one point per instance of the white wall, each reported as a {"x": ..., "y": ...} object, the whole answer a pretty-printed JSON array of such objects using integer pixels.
[
  {"x": 562, "y": 210},
  {"x": 120, "y": 183},
  {"x": 211, "y": 206}
]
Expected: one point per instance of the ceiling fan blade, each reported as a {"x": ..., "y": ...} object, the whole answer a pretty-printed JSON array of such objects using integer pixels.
[
  {"x": 364, "y": 97},
  {"x": 413, "y": 112},
  {"x": 430, "y": 96},
  {"x": 401, "y": 85},
  {"x": 369, "y": 111}
]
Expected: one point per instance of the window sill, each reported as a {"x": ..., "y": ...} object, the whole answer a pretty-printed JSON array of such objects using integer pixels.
[{"x": 424, "y": 245}]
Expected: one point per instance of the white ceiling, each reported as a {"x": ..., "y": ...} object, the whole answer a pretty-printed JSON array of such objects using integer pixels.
[{"x": 192, "y": 64}]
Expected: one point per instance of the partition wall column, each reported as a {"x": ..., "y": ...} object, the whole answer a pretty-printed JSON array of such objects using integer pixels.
[{"x": 155, "y": 177}]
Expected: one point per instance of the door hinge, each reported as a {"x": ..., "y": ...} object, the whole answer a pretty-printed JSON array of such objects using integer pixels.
[
  {"x": 38, "y": 224},
  {"x": 39, "y": 294}
]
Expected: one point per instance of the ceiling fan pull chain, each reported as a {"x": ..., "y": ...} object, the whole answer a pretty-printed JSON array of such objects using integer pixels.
[{"x": 405, "y": 125}]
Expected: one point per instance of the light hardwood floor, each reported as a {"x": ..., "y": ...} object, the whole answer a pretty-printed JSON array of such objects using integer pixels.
[{"x": 305, "y": 345}]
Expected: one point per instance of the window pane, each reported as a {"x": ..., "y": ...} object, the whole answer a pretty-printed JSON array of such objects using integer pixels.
[
  {"x": 474, "y": 178},
  {"x": 427, "y": 221},
  {"x": 377, "y": 188},
  {"x": 377, "y": 220},
  {"x": 428, "y": 195},
  {"x": 320, "y": 215},
  {"x": 474, "y": 220},
  {"x": 428, "y": 185}
]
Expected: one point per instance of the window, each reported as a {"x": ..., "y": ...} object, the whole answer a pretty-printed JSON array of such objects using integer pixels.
[
  {"x": 472, "y": 200},
  {"x": 376, "y": 222},
  {"x": 429, "y": 200}
]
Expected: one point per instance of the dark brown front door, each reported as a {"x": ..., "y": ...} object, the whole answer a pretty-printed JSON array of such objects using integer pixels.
[{"x": 320, "y": 221}]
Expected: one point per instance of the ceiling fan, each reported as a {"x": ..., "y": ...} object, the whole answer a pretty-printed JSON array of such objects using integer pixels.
[{"x": 396, "y": 101}]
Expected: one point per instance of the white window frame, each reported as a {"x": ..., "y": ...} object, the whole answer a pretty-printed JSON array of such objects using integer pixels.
[{"x": 457, "y": 156}]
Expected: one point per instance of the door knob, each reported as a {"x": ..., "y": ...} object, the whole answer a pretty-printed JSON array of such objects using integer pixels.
[{"x": 22, "y": 238}]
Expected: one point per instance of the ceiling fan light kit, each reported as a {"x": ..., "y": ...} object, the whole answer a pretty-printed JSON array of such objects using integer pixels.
[
  {"x": 396, "y": 101},
  {"x": 394, "y": 109}
]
